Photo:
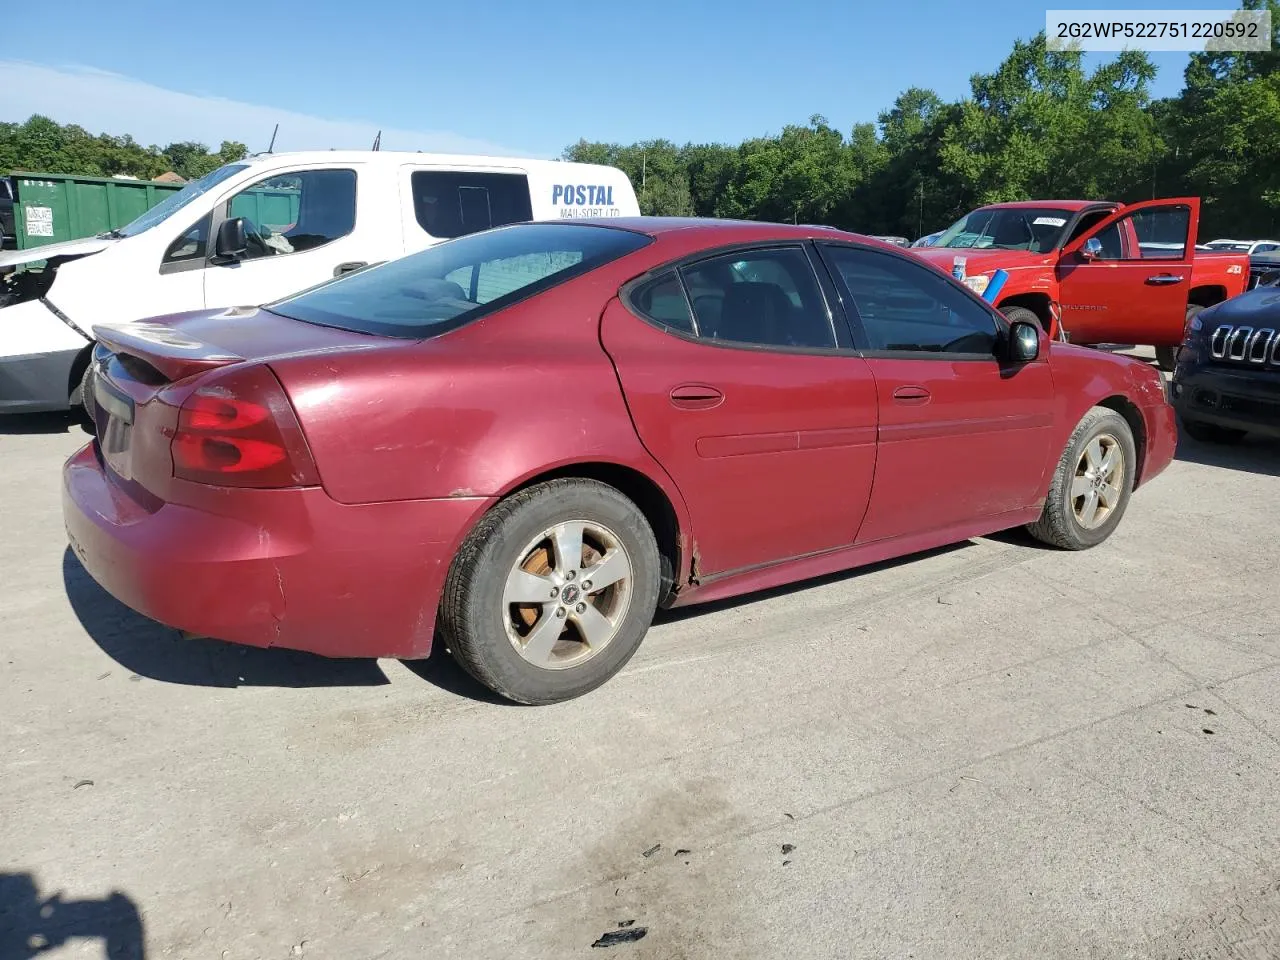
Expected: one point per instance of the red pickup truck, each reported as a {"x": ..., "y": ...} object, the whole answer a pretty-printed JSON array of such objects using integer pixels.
[{"x": 1095, "y": 272}]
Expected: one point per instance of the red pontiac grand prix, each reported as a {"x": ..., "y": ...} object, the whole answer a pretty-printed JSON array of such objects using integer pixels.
[{"x": 521, "y": 442}]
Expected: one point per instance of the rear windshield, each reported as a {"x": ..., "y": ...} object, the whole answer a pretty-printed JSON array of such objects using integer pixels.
[{"x": 452, "y": 283}]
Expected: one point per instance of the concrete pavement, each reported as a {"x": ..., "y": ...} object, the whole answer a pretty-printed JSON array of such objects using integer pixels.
[{"x": 994, "y": 750}]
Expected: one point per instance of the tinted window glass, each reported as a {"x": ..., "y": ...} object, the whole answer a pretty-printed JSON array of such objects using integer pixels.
[
  {"x": 1162, "y": 233},
  {"x": 451, "y": 203},
  {"x": 767, "y": 297},
  {"x": 289, "y": 213},
  {"x": 449, "y": 284},
  {"x": 663, "y": 300},
  {"x": 192, "y": 245},
  {"x": 908, "y": 306}
]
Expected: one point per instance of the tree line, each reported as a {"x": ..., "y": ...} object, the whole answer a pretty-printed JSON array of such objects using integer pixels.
[
  {"x": 1039, "y": 127},
  {"x": 39, "y": 145}
]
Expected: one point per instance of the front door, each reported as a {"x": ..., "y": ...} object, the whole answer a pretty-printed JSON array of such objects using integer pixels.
[
  {"x": 962, "y": 437},
  {"x": 1133, "y": 287},
  {"x": 751, "y": 404},
  {"x": 300, "y": 227}
]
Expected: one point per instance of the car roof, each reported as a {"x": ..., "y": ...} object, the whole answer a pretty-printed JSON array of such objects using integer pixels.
[
  {"x": 721, "y": 230},
  {"x": 397, "y": 158}
]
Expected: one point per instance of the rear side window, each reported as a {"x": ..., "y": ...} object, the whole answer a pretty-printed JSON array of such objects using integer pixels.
[
  {"x": 662, "y": 299},
  {"x": 453, "y": 203},
  {"x": 449, "y": 284},
  {"x": 765, "y": 297}
]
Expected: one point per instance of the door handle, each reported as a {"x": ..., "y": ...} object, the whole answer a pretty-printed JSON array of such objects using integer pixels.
[
  {"x": 349, "y": 267},
  {"x": 696, "y": 396},
  {"x": 912, "y": 395},
  {"x": 1163, "y": 279}
]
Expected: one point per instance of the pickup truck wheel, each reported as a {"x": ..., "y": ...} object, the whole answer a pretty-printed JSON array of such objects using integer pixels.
[
  {"x": 1209, "y": 432},
  {"x": 1166, "y": 357},
  {"x": 1091, "y": 484},
  {"x": 1021, "y": 315},
  {"x": 552, "y": 592}
]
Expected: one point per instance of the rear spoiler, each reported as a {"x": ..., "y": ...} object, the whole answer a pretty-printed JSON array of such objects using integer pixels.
[{"x": 164, "y": 348}]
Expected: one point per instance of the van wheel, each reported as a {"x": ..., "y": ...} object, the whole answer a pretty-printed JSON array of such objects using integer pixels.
[
  {"x": 553, "y": 591},
  {"x": 1091, "y": 485}
]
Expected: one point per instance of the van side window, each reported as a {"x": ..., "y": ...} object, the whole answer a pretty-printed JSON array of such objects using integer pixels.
[
  {"x": 293, "y": 212},
  {"x": 190, "y": 246},
  {"x": 453, "y": 203}
]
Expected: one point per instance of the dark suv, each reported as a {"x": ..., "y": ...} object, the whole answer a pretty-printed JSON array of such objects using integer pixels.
[{"x": 1227, "y": 382}]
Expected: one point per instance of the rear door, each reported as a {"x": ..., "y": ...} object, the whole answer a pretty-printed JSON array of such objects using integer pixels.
[
  {"x": 1136, "y": 290},
  {"x": 744, "y": 389},
  {"x": 963, "y": 437}
]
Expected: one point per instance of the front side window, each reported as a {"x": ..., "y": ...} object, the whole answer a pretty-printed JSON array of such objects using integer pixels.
[
  {"x": 764, "y": 297},
  {"x": 1037, "y": 229},
  {"x": 294, "y": 212},
  {"x": 449, "y": 284},
  {"x": 454, "y": 203},
  {"x": 911, "y": 308},
  {"x": 1162, "y": 233},
  {"x": 191, "y": 245}
]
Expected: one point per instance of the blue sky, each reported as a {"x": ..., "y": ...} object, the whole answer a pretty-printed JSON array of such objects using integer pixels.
[{"x": 512, "y": 77}]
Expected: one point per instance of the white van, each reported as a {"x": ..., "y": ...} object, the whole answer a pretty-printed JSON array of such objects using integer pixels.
[{"x": 258, "y": 230}]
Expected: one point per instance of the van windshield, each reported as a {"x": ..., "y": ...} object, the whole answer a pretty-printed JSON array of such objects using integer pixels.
[
  {"x": 429, "y": 293},
  {"x": 176, "y": 201}
]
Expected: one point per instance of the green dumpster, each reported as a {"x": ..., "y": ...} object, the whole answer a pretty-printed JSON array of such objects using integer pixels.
[{"x": 51, "y": 208}]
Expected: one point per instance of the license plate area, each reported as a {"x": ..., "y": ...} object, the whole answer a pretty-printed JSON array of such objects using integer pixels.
[{"x": 115, "y": 425}]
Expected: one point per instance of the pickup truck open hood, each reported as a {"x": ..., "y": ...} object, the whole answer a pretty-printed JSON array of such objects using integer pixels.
[{"x": 68, "y": 250}]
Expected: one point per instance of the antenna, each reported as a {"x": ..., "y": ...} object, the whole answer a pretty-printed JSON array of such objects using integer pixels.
[
  {"x": 271, "y": 146},
  {"x": 377, "y": 141}
]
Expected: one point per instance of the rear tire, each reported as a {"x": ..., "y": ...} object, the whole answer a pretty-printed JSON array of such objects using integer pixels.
[
  {"x": 1210, "y": 432},
  {"x": 520, "y": 611},
  {"x": 1091, "y": 485},
  {"x": 1167, "y": 358}
]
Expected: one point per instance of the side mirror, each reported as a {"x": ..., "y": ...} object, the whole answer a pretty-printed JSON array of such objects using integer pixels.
[
  {"x": 1092, "y": 249},
  {"x": 1024, "y": 342},
  {"x": 231, "y": 243}
]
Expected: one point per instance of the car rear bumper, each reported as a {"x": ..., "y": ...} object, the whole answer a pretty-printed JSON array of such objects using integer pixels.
[
  {"x": 1245, "y": 400},
  {"x": 288, "y": 568},
  {"x": 1162, "y": 441}
]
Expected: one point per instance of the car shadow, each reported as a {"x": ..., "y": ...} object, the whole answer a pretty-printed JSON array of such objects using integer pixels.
[
  {"x": 1260, "y": 455},
  {"x": 32, "y": 924},
  {"x": 18, "y": 424},
  {"x": 698, "y": 609},
  {"x": 152, "y": 650}
]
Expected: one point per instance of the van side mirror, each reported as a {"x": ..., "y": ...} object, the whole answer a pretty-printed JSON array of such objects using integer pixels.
[
  {"x": 231, "y": 243},
  {"x": 1024, "y": 342},
  {"x": 1092, "y": 249}
]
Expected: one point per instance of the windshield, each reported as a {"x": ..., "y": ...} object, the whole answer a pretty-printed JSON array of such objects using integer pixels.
[
  {"x": 1228, "y": 245},
  {"x": 176, "y": 201},
  {"x": 1037, "y": 229},
  {"x": 443, "y": 287}
]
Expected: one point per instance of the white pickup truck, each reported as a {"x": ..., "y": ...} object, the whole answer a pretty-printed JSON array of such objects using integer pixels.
[{"x": 258, "y": 230}]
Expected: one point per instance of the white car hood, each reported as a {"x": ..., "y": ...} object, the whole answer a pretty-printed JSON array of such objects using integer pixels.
[{"x": 70, "y": 248}]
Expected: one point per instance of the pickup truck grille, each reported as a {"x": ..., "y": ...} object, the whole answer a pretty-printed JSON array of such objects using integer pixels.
[{"x": 1245, "y": 346}]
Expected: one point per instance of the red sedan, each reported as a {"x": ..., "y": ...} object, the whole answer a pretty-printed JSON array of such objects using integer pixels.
[{"x": 523, "y": 441}]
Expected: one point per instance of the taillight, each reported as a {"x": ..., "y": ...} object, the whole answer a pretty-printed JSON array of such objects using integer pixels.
[{"x": 237, "y": 429}]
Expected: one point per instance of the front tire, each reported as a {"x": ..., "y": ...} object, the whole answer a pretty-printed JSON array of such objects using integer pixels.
[
  {"x": 553, "y": 591},
  {"x": 1167, "y": 358},
  {"x": 1091, "y": 484}
]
